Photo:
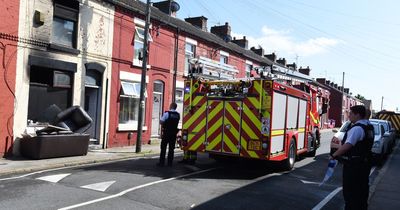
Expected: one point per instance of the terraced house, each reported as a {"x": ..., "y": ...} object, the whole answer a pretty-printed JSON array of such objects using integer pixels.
[{"x": 89, "y": 53}]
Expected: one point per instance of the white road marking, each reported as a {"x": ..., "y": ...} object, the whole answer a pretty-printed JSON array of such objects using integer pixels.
[
  {"x": 191, "y": 206},
  {"x": 53, "y": 178},
  {"x": 327, "y": 199},
  {"x": 132, "y": 189},
  {"x": 308, "y": 182},
  {"x": 82, "y": 165},
  {"x": 372, "y": 170},
  {"x": 332, "y": 194},
  {"x": 101, "y": 186}
]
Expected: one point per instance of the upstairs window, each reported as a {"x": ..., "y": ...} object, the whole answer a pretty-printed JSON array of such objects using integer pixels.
[
  {"x": 223, "y": 59},
  {"x": 248, "y": 70},
  {"x": 190, "y": 52},
  {"x": 65, "y": 19},
  {"x": 139, "y": 42}
]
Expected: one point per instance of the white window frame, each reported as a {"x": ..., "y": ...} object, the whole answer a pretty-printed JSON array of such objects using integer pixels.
[
  {"x": 248, "y": 70},
  {"x": 128, "y": 77},
  {"x": 223, "y": 59},
  {"x": 139, "y": 25},
  {"x": 192, "y": 53}
]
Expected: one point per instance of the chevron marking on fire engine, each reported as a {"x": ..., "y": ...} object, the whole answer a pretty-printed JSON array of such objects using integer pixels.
[
  {"x": 231, "y": 135},
  {"x": 250, "y": 153},
  {"x": 251, "y": 126},
  {"x": 214, "y": 132},
  {"x": 257, "y": 86},
  {"x": 196, "y": 115}
]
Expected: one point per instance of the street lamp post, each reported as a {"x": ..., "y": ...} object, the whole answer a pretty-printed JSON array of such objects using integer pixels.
[{"x": 143, "y": 80}]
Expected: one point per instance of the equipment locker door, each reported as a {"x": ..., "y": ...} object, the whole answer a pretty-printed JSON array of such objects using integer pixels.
[
  {"x": 215, "y": 117},
  {"x": 232, "y": 127}
]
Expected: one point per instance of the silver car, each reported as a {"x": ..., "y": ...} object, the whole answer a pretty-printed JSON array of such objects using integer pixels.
[
  {"x": 381, "y": 146},
  {"x": 389, "y": 133}
]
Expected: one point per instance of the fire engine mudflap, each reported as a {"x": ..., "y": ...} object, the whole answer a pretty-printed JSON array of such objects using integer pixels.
[{"x": 256, "y": 119}]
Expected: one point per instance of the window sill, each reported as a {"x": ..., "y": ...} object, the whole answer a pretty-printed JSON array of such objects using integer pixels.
[
  {"x": 129, "y": 127},
  {"x": 64, "y": 49},
  {"x": 139, "y": 64}
]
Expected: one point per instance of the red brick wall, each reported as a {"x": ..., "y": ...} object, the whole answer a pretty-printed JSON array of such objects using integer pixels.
[{"x": 8, "y": 25}]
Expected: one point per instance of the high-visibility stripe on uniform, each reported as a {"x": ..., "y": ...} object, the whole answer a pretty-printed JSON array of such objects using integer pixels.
[{"x": 301, "y": 130}]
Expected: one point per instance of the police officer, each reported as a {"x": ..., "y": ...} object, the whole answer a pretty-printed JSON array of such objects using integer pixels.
[
  {"x": 356, "y": 155},
  {"x": 169, "y": 122}
]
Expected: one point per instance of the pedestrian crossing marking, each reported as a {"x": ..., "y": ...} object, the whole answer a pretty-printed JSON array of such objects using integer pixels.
[
  {"x": 101, "y": 186},
  {"x": 53, "y": 178}
]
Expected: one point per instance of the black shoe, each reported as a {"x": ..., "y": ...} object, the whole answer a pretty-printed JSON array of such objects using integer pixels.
[{"x": 160, "y": 164}]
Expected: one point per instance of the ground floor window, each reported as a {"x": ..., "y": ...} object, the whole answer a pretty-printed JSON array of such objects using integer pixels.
[
  {"x": 48, "y": 87},
  {"x": 129, "y": 105}
]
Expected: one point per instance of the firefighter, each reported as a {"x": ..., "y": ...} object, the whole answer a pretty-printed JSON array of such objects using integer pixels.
[
  {"x": 169, "y": 122},
  {"x": 355, "y": 154}
]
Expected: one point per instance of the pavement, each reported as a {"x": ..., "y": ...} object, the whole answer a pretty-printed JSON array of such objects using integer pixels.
[
  {"x": 19, "y": 165},
  {"x": 384, "y": 190}
]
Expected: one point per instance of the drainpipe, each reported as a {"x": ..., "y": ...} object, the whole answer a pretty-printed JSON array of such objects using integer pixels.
[{"x": 175, "y": 64}]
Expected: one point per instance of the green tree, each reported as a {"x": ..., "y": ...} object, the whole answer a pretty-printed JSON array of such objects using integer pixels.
[{"x": 358, "y": 96}]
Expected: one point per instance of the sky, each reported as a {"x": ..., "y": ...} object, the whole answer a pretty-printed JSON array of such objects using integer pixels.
[{"x": 358, "y": 37}]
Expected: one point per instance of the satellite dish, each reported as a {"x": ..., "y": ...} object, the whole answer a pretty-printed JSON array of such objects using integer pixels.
[{"x": 175, "y": 6}]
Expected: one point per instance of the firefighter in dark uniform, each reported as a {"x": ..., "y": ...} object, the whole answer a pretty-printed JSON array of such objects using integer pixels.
[
  {"x": 169, "y": 122},
  {"x": 355, "y": 154}
]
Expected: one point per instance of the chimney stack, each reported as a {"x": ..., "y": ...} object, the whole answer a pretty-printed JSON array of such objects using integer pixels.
[
  {"x": 224, "y": 32},
  {"x": 241, "y": 42},
  {"x": 319, "y": 80},
  {"x": 305, "y": 71},
  {"x": 292, "y": 66},
  {"x": 259, "y": 51},
  {"x": 281, "y": 61},
  {"x": 271, "y": 57},
  {"x": 200, "y": 22}
]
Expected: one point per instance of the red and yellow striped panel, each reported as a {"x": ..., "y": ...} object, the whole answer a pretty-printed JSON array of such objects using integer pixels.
[
  {"x": 215, "y": 114},
  {"x": 251, "y": 122},
  {"x": 231, "y": 122},
  {"x": 194, "y": 117}
]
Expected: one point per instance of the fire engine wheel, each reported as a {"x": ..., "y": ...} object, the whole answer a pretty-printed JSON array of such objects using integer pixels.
[{"x": 289, "y": 162}]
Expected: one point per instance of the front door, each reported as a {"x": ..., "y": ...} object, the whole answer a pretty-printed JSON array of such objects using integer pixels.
[
  {"x": 92, "y": 104},
  {"x": 92, "y": 107},
  {"x": 223, "y": 126},
  {"x": 158, "y": 91}
]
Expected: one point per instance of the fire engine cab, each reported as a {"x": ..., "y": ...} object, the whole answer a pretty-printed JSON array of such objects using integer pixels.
[{"x": 273, "y": 117}]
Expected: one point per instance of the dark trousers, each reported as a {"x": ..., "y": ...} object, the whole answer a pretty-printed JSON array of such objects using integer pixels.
[
  {"x": 170, "y": 141},
  {"x": 356, "y": 185}
]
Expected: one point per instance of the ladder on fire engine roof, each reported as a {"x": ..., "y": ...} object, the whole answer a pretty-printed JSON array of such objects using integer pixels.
[{"x": 278, "y": 72}]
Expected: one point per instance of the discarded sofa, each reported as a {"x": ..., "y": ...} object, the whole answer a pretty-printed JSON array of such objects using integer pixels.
[{"x": 63, "y": 135}]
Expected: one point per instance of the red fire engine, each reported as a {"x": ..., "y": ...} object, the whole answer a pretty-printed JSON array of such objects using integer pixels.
[{"x": 274, "y": 117}]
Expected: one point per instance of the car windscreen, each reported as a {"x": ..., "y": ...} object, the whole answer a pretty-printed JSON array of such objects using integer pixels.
[
  {"x": 344, "y": 126},
  {"x": 376, "y": 129}
]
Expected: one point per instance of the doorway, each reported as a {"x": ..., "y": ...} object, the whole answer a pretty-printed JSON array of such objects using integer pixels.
[
  {"x": 93, "y": 103},
  {"x": 158, "y": 92}
]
